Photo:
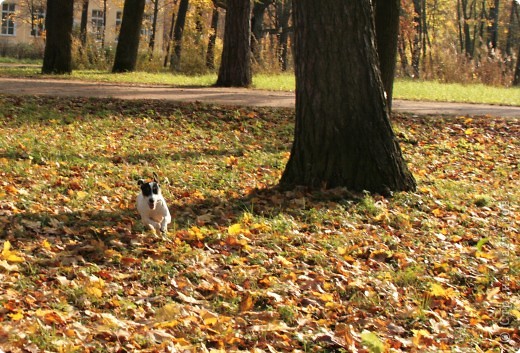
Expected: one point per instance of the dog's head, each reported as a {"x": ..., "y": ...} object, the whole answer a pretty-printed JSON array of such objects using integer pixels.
[{"x": 151, "y": 191}]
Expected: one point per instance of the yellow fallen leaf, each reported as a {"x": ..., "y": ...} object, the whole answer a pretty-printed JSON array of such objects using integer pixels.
[
  {"x": 9, "y": 255},
  {"x": 46, "y": 244},
  {"x": 208, "y": 317},
  {"x": 515, "y": 313},
  {"x": 437, "y": 290},
  {"x": 81, "y": 194},
  {"x": 94, "y": 291},
  {"x": 16, "y": 316},
  {"x": 235, "y": 229}
]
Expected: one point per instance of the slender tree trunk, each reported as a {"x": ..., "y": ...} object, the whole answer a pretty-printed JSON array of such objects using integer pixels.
[
  {"x": 343, "y": 137},
  {"x": 516, "y": 78},
  {"x": 128, "y": 43},
  {"x": 417, "y": 41},
  {"x": 151, "y": 44},
  {"x": 387, "y": 33},
  {"x": 235, "y": 67},
  {"x": 492, "y": 28},
  {"x": 401, "y": 43},
  {"x": 210, "y": 53},
  {"x": 170, "y": 38},
  {"x": 104, "y": 23},
  {"x": 58, "y": 46},
  {"x": 460, "y": 21},
  {"x": 509, "y": 41},
  {"x": 284, "y": 16},
  {"x": 257, "y": 29},
  {"x": 178, "y": 32},
  {"x": 84, "y": 22}
]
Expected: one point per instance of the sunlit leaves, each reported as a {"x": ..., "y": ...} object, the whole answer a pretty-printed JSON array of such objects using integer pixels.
[{"x": 245, "y": 266}]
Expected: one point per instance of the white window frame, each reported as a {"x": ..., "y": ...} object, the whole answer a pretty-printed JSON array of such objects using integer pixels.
[
  {"x": 8, "y": 24},
  {"x": 96, "y": 19}
]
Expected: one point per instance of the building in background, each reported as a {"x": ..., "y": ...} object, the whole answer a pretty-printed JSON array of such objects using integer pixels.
[{"x": 23, "y": 24}]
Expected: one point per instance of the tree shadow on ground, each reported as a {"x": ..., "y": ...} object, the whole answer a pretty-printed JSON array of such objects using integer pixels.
[{"x": 79, "y": 237}]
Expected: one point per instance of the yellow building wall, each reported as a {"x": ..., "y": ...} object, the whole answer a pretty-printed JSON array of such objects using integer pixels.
[{"x": 22, "y": 22}]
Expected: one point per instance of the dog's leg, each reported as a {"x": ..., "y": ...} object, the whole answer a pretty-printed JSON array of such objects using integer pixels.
[{"x": 153, "y": 225}]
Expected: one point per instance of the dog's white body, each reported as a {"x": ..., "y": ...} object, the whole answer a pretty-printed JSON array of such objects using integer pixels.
[{"x": 152, "y": 207}]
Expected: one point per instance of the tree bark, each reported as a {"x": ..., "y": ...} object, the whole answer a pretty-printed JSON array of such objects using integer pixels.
[
  {"x": 178, "y": 32},
  {"x": 128, "y": 43},
  {"x": 58, "y": 46},
  {"x": 235, "y": 67},
  {"x": 343, "y": 137},
  {"x": 387, "y": 33}
]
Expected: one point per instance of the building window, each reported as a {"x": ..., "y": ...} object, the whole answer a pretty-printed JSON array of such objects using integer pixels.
[
  {"x": 8, "y": 19},
  {"x": 97, "y": 24},
  {"x": 38, "y": 22}
]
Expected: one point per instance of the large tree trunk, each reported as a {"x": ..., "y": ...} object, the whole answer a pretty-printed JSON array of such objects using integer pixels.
[
  {"x": 343, "y": 137},
  {"x": 178, "y": 33},
  {"x": 387, "y": 33},
  {"x": 58, "y": 46},
  {"x": 128, "y": 43},
  {"x": 235, "y": 67}
]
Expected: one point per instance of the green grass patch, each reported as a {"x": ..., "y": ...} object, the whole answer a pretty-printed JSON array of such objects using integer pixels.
[
  {"x": 456, "y": 92},
  {"x": 246, "y": 266},
  {"x": 404, "y": 89}
]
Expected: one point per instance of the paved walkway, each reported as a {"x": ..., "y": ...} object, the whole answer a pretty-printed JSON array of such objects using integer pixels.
[{"x": 225, "y": 96}]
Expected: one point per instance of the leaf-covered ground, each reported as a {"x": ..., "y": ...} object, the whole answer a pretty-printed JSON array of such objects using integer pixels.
[{"x": 246, "y": 267}]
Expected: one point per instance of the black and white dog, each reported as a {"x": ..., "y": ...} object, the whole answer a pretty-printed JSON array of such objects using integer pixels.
[{"x": 152, "y": 206}]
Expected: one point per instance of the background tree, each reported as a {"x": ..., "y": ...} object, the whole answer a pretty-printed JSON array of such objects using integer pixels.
[
  {"x": 257, "y": 28},
  {"x": 128, "y": 43},
  {"x": 235, "y": 66},
  {"x": 516, "y": 78},
  {"x": 343, "y": 136},
  {"x": 57, "y": 57},
  {"x": 284, "y": 15},
  {"x": 210, "y": 51},
  {"x": 83, "y": 23},
  {"x": 151, "y": 43},
  {"x": 178, "y": 33},
  {"x": 387, "y": 32}
]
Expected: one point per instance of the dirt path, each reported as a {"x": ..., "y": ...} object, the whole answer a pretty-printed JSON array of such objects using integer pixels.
[{"x": 225, "y": 96}]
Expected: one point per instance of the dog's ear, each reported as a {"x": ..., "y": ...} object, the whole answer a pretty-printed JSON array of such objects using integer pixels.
[
  {"x": 140, "y": 182},
  {"x": 155, "y": 177}
]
